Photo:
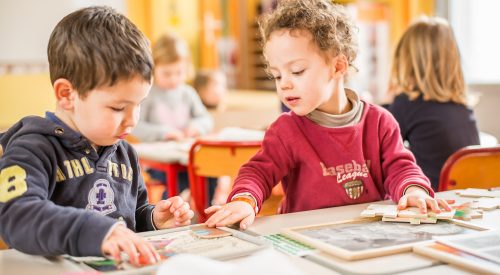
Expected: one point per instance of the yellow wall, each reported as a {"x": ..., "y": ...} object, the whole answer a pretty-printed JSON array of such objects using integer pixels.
[
  {"x": 155, "y": 17},
  {"x": 23, "y": 95},
  {"x": 404, "y": 12}
]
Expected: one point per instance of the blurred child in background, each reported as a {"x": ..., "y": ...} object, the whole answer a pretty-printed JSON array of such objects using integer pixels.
[
  {"x": 430, "y": 102},
  {"x": 173, "y": 110},
  {"x": 211, "y": 86}
]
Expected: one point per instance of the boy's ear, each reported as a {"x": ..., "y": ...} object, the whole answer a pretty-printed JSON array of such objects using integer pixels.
[
  {"x": 65, "y": 94},
  {"x": 340, "y": 66}
]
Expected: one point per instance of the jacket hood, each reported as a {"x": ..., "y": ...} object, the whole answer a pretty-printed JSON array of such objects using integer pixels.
[{"x": 49, "y": 126}]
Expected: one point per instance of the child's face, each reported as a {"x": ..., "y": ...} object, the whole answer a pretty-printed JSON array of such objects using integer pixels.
[
  {"x": 108, "y": 114},
  {"x": 214, "y": 91},
  {"x": 304, "y": 78},
  {"x": 170, "y": 75}
]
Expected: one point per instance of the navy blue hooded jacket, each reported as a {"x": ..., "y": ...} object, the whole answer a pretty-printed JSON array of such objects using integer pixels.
[{"x": 58, "y": 195}]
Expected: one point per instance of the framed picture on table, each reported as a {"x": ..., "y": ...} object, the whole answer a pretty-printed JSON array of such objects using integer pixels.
[
  {"x": 216, "y": 243},
  {"x": 371, "y": 237}
]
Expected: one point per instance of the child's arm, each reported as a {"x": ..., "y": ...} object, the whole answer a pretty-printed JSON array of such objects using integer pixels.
[
  {"x": 404, "y": 180},
  {"x": 28, "y": 217},
  {"x": 256, "y": 180}
]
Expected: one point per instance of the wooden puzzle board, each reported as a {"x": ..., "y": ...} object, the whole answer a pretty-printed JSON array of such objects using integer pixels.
[{"x": 183, "y": 240}]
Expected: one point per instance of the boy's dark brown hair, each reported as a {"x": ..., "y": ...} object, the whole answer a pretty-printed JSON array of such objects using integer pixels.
[{"x": 97, "y": 46}]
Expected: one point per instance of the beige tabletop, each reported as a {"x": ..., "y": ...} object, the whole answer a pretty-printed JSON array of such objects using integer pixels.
[{"x": 14, "y": 262}]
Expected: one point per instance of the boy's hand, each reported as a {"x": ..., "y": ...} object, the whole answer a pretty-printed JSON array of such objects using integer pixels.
[
  {"x": 125, "y": 240},
  {"x": 417, "y": 196},
  {"x": 230, "y": 213},
  {"x": 172, "y": 212},
  {"x": 175, "y": 135},
  {"x": 191, "y": 132}
]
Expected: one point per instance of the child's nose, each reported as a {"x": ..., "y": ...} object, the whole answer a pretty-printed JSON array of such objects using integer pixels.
[
  {"x": 131, "y": 119},
  {"x": 285, "y": 83}
]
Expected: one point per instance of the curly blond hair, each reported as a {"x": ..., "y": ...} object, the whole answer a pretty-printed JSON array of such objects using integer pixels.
[
  {"x": 331, "y": 28},
  {"x": 427, "y": 62}
]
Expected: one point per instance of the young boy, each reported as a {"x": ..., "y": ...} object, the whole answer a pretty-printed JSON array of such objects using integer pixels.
[
  {"x": 68, "y": 182},
  {"x": 332, "y": 149}
]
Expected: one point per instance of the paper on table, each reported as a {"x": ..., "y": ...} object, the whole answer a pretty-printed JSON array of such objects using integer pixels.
[
  {"x": 239, "y": 134},
  {"x": 265, "y": 262}
]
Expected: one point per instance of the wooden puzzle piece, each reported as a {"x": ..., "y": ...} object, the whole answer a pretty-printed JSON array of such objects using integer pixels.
[
  {"x": 486, "y": 203},
  {"x": 478, "y": 193},
  {"x": 204, "y": 232},
  {"x": 384, "y": 210},
  {"x": 411, "y": 215},
  {"x": 410, "y": 220},
  {"x": 465, "y": 212}
]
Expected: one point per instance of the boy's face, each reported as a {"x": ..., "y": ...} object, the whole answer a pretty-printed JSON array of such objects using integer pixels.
[
  {"x": 108, "y": 114},
  {"x": 214, "y": 91},
  {"x": 169, "y": 76},
  {"x": 304, "y": 78}
]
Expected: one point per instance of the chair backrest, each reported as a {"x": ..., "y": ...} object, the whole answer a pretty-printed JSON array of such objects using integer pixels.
[
  {"x": 471, "y": 167},
  {"x": 209, "y": 158},
  {"x": 3, "y": 245}
]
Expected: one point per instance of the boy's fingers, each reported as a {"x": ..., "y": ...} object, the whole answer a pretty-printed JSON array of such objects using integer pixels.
[
  {"x": 183, "y": 208},
  {"x": 433, "y": 205},
  {"x": 422, "y": 205},
  {"x": 403, "y": 202},
  {"x": 217, "y": 217},
  {"x": 129, "y": 248},
  {"x": 183, "y": 223},
  {"x": 147, "y": 252},
  {"x": 213, "y": 208},
  {"x": 444, "y": 204},
  {"x": 186, "y": 216},
  {"x": 163, "y": 205},
  {"x": 246, "y": 222},
  {"x": 111, "y": 249},
  {"x": 235, "y": 217}
]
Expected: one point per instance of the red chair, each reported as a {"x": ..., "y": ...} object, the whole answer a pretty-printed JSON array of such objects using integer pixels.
[
  {"x": 208, "y": 158},
  {"x": 471, "y": 167},
  {"x": 171, "y": 170}
]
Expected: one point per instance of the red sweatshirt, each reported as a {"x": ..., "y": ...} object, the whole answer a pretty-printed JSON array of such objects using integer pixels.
[{"x": 323, "y": 167}]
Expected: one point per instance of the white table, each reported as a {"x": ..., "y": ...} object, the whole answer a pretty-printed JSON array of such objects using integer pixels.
[{"x": 14, "y": 262}]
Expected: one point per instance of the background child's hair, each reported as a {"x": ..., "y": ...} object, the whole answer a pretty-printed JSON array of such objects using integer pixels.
[
  {"x": 427, "y": 61},
  {"x": 97, "y": 46},
  {"x": 202, "y": 78},
  {"x": 331, "y": 28},
  {"x": 170, "y": 48}
]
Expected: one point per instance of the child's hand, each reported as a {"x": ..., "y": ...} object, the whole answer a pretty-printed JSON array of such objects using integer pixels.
[
  {"x": 172, "y": 212},
  {"x": 231, "y": 213},
  {"x": 125, "y": 240},
  {"x": 175, "y": 135},
  {"x": 416, "y": 196},
  {"x": 191, "y": 132}
]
